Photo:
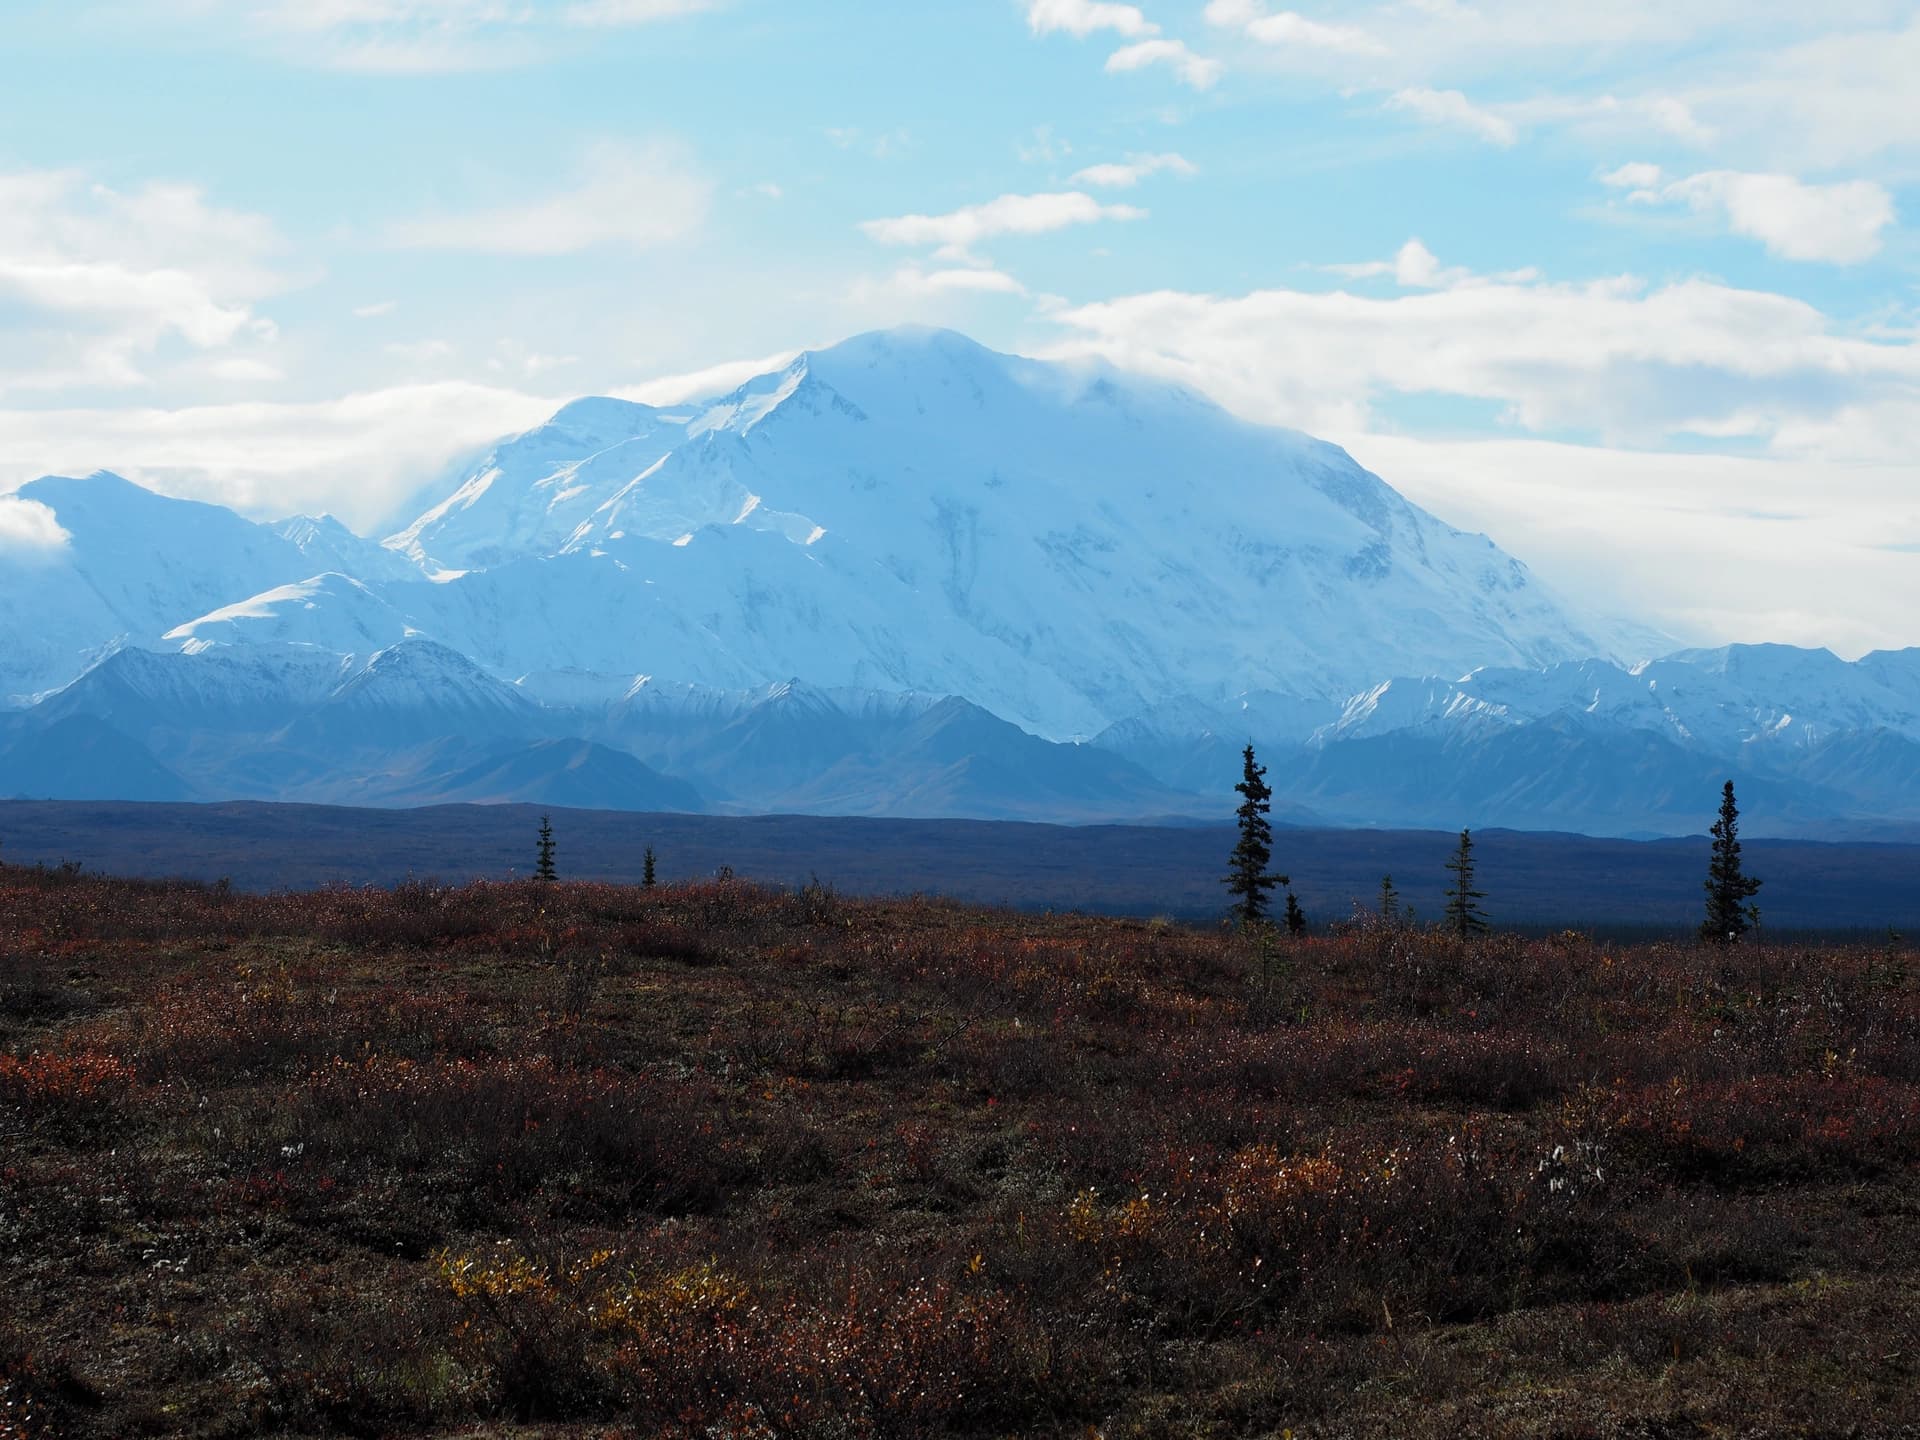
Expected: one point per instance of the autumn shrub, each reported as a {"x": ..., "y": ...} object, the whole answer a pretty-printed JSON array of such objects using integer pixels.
[
  {"x": 1769, "y": 1127},
  {"x": 85, "y": 1091},
  {"x": 680, "y": 1345},
  {"x": 613, "y": 1142}
]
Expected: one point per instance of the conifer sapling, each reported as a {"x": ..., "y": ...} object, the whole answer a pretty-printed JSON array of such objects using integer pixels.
[
  {"x": 544, "y": 867},
  {"x": 1464, "y": 915}
]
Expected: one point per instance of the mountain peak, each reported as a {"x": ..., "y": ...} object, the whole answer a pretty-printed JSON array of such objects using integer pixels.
[{"x": 602, "y": 414}]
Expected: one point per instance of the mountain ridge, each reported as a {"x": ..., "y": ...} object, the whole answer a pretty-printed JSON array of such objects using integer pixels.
[{"x": 825, "y": 555}]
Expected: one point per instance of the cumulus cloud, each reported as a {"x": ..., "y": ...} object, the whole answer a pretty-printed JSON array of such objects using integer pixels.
[
  {"x": 1117, "y": 175},
  {"x": 28, "y": 529},
  {"x": 1195, "y": 70},
  {"x": 1286, "y": 28},
  {"x": 958, "y": 231},
  {"x": 1081, "y": 18},
  {"x": 1635, "y": 175},
  {"x": 1451, "y": 109},
  {"x": 94, "y": 280},
  {"x": 1838, "y": 223},
  {"x": 626, "y": 196},
  {"x": 1413, "y": 267}
]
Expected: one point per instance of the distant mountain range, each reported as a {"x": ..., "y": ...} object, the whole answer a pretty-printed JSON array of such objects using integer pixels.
[{"x": 907, "y": 576}]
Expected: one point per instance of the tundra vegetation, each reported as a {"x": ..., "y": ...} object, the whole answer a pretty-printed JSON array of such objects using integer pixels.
[{"x": 714, "y": 1159}]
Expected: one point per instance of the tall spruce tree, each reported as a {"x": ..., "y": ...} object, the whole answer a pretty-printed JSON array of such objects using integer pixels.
[
  {"x": 1730, "y": 890},
  {"x": 544, "y": 868},
  {"x": 1464, "y": 914},
  {"x": 1247, "y": 879}
]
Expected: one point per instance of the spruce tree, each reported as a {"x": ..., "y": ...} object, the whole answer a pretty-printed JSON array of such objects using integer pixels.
[
  {"x": 1296, "y": 917},
  {"x": 1247, "y": 878},
  {"x": 1464, "y": 914},
  {"x": 1389, "y": 900},
  {"x": 544, "y": 869},
  {"x": 646, "y": 868},
  {"x": 1729, "y": 889}
]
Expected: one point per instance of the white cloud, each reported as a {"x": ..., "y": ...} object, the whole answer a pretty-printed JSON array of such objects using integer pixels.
[
  {"x": 958, "y": 231},
  {"x": 1716, "y": 548},
  {"x": 1676, "y": 118},
  {"x": 1635, "y": 175},
  {"x": 360, "y": 456},
  {"x": 375, "y": 310},
  {"x": 1832, "y": 99},
  {"x": 1193, "y": 70},
  {"x": 1124, "y": 176},
  {"x": 1082, "y": 18},
  {"x": 957, "y": 280},
  {"x": 1838, "y": 223},
  {"x": 1771, "y": 84},
  {"x": 1452, "y": 109},
  {"x": 1415, "y": 267},
  {"x": 1636, "y": 364},
  {"x": 410, "y": 37},
  {"x": 633, "y": 197},
  {"x": 245, "y": 369},
  {"x": 512, "y": 357},
  {"x": 1286, "y": 28},
  {"x": 28, "y": 529},
  {"x": 704, "y": 384},
  {"x": 94, "y": 280},
  {"x": 607, "y": 13}
]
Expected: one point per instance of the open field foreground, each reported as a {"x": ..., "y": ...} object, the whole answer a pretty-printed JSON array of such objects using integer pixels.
[{"x": 715, "y": 1160}]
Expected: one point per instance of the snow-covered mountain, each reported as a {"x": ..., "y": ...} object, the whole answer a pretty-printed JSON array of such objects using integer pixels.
[
  {"x": 902, "y": 575},
  {"x": 910, "y": 511},
  {"x": 1583, "y": 745}
]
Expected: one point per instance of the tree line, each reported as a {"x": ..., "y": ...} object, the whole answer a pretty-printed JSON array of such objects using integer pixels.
[{"x": 1730, "y": 911}]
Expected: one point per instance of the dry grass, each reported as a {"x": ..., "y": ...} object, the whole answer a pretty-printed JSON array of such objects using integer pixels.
[{"x": 714, "y": 1160}]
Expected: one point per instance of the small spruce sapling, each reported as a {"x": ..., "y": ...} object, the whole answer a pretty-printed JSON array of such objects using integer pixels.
[
  {"x": 1389, "y": 901},
  {"x": 1464, "y": 915},
  {"x": 544, "y": 867},
  {"x": 1296, "y": 917},
  {"x": 646, "y": 869}
]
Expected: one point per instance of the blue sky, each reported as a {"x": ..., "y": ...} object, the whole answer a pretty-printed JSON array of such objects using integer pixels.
[{"x": 1631, "y": 288}]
